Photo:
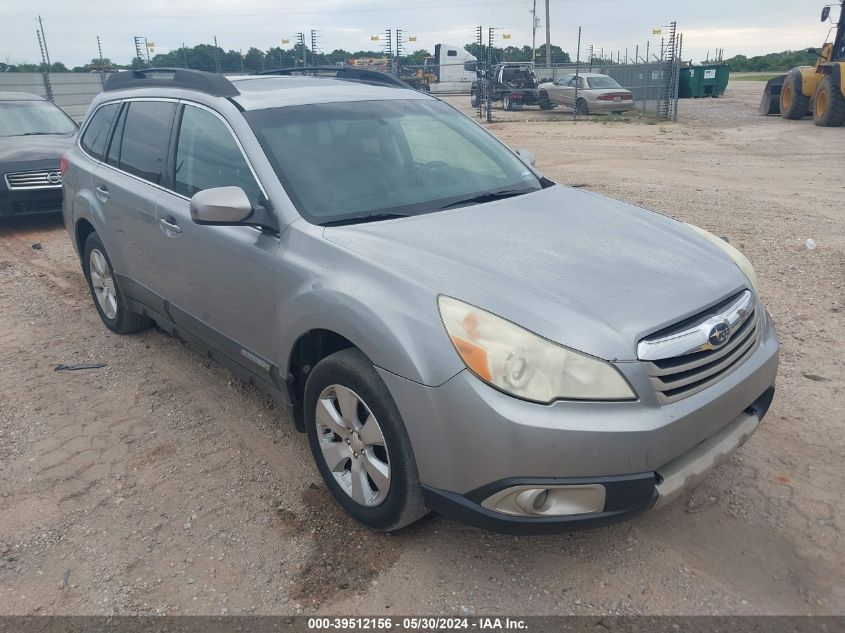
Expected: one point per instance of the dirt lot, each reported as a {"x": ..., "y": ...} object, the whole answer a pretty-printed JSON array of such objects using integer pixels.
[{"x": 161, "y": 484}]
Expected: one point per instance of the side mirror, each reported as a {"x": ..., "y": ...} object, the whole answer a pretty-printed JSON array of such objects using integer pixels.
[
  {"x": 825, "y": 14},
  {"x": 526, "y": 156},
  {"x": 221, "y": 205}
]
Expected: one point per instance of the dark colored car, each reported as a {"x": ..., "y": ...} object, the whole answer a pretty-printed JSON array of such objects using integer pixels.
[{"x": 34, "y": 134}]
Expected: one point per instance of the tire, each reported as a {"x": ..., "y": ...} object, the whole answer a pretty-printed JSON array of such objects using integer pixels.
[
  {"x": 331, "y": 382},
  {"x": 108, "y": 298},
  {"x": 507, "y": 102},
  {"x": 581, "y": 107},
  {"x": 474, "y": 99},
  {"x": 545, "y": 104},
  {"x": 794, "y": 105},
  {"x": 829, "y": 104}
]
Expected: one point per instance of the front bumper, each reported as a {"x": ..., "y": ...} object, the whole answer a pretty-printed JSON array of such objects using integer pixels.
[
  {"x": 465, "y": 435},
  {"x": 625, "y": 496}
]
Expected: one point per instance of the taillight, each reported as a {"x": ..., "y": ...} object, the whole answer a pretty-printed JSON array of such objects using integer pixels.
[
  {"x": 63, "y": 165},
  {"x": 627, "y": 96}
]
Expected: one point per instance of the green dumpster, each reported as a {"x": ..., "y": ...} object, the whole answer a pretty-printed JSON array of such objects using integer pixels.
[{"x": 708, "y": 80}]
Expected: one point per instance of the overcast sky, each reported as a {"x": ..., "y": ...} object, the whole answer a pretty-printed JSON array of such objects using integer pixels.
[{"x": 71, "y": 26}]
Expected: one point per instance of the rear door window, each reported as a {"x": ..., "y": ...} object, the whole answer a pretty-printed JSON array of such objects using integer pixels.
[
  {"x": 140, "y": 143},
  {"x": 207, "y": 156},
  {"x": 96, "y": 135}
]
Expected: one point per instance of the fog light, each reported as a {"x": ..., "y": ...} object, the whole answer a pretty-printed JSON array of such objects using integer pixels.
[{"x": 548, "y": 501}]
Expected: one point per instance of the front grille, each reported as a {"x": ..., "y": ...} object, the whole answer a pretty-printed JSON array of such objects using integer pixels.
[
  {"x": 41, "y": 179},
  {"x": 683, "y": 375}
]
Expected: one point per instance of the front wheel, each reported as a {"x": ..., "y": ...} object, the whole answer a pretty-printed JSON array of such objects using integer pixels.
[
  {"x": 360, "y": 444},
  {"x": 794, "y": 104},
  {"x": 474, "y": 99},
  {"x": 108, "y": 298}
]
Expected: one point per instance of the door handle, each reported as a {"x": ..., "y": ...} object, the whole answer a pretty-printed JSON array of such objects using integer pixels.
[
  {"x": 103, "y": 193},
  {"x": 169, "y": 226}
]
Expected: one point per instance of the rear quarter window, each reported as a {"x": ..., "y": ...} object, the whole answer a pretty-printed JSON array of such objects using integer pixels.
[{"x": 96, "y": 134}]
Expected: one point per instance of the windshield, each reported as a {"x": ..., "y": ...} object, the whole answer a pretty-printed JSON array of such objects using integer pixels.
[
  {"x": 602, "y": 82},
  {"x": 20, "y": 118},
  {"x": 351, "y": 160}
]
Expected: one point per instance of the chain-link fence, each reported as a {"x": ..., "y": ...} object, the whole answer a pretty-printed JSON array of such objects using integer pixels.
[{"x": 73, "y": 92}]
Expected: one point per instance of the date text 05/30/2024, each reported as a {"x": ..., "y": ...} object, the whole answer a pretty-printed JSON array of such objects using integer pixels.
[{"x": 417, "y": 624}]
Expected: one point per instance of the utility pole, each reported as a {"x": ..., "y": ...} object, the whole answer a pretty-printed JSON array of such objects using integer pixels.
[
  {"x": 44, "y": 38},
  {"x": 301, "y": 44},
  {"x": 314, "y": 46},
  {"x": 534, "y": 32},
  {"x": 184, "y": 54},
  {"x": 45, "y": 59},
  {"x": 102, "y": 69},
  {"x": 548, "y": 38},
  {"x": 138, "y": 52}
]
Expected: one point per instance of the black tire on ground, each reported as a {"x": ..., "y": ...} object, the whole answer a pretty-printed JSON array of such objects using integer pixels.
[
  {"x": 507, "y": 102},
  {"x": 124, "y": 321},
  {"x": 403, "y": 504},
  {"x": 545, "y": 103},
  {"x": 829, "y": 104},
  {"x": 474, "y": 99},
  {"x": 581, "y": 107},
  {"x": 794, "y": 104}
]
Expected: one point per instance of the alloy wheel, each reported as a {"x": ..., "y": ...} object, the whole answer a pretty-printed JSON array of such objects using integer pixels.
[
  {"x": 352, "y": 445},
  {"x": 103, "y": 283}
]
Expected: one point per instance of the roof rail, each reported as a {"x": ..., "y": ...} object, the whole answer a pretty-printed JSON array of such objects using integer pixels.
[
  {"x": 209, "y": 83},
  {"x": 348, "y": 73}
]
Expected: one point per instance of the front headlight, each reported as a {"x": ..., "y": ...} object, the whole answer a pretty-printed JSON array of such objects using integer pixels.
[
  {"x": 526, "y": 365},
  {"x": 739, "y": 259}
]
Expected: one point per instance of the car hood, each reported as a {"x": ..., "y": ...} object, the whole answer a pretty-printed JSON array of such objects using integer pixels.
[
  {"x": 19, "y": 149},
  {"x": 578, "y": 268}
]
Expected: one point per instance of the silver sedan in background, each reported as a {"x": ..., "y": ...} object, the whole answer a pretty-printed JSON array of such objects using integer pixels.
[{"x": 595, "y": 93}]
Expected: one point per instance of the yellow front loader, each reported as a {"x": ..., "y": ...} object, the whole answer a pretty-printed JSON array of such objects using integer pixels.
[{"x": 818, "y": 90}]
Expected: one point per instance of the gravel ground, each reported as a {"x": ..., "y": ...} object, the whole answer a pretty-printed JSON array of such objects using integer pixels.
[{"x": 161, "y": 484}]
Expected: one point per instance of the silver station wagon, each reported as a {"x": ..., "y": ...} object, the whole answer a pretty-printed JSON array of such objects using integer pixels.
[{"x": 453, "y": 331}]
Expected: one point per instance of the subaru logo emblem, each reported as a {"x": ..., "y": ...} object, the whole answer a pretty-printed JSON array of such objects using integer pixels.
[
  {"x": 54, "y": 177},
  {"x": 719, "y": 334}
]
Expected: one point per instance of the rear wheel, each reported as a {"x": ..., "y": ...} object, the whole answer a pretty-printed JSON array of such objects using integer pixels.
[
  {"x": 507, "y": 102},
  {"x": 545, "y": 102},
  {"x": 793, "y": 103},
  {"x": 829, "y": 104},
  {"x": 581, "y": 107},
  {"x": 108, "y": 298},
  {"x": 474, "y": 99},
  {"x": 360, "y": 443}
]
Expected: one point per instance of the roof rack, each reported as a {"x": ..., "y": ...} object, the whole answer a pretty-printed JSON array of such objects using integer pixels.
[
  {"x": 348, "y": 73},
  {"x": 209, "y": 83}
]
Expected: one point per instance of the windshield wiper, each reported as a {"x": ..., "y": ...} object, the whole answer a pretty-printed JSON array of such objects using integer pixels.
[
  {"x": 373, "y": 217},
  {"x": 41, "y": 134},
  {"x": 487, "y": 197}
]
